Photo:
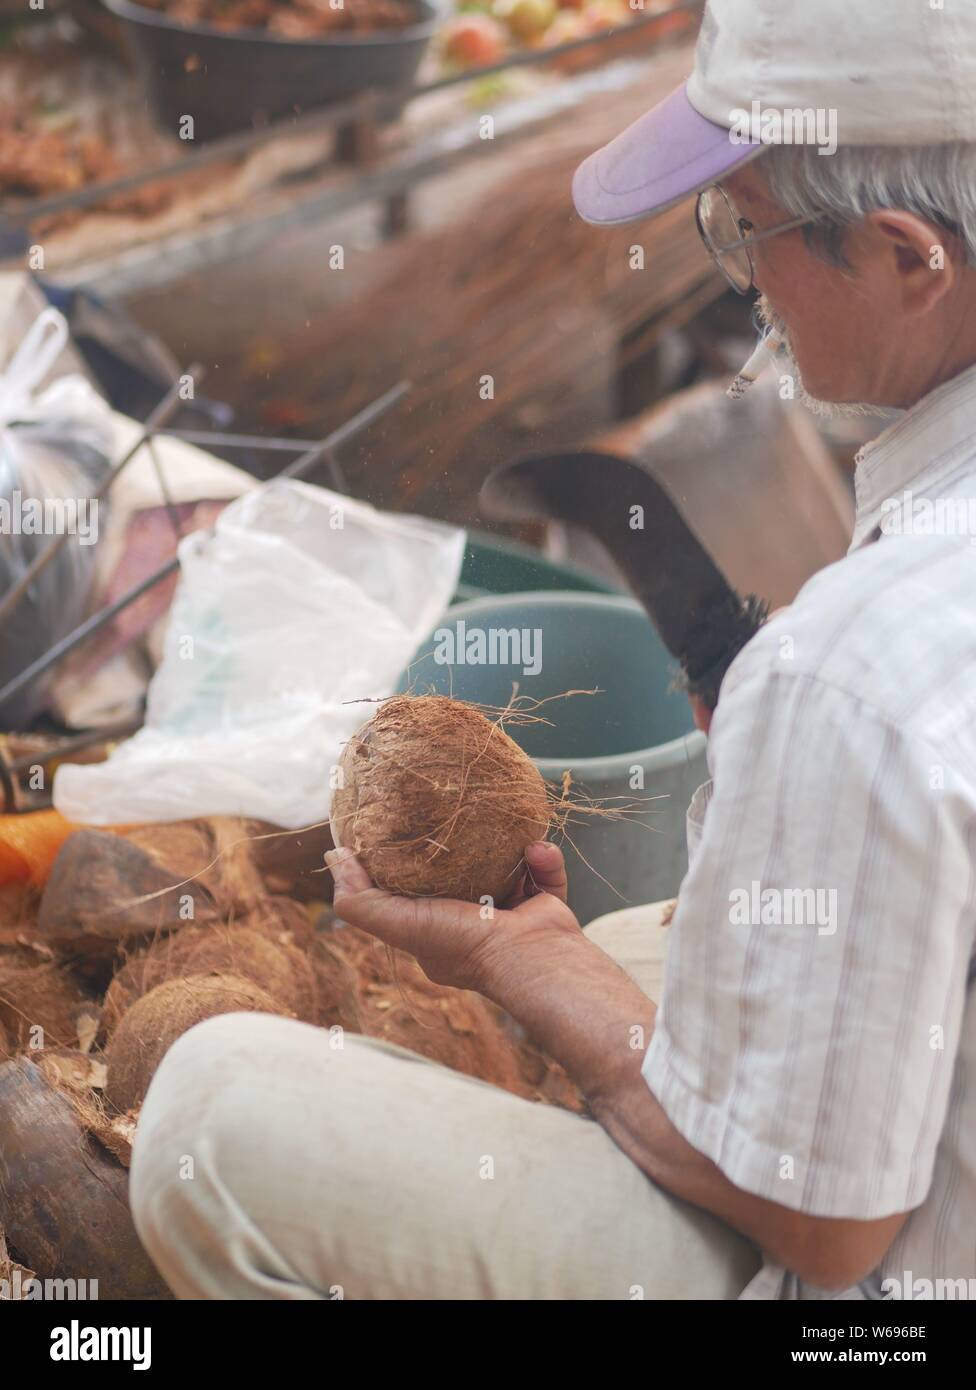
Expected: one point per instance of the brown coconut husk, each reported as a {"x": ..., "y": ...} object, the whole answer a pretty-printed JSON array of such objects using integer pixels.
[
  {"x": 547, "y": 1081},
  {"x": 275, "y": 965},
  {"x": 212, "y": 854},
  {"x": 455, "y": 1027},
  {"x": 281, "y": 918},
  {"x": 18, "y": 910},
  {"x": 183, "y": 848},
  {"x": 14, "y": 1277},
  {"x": 438, "y": 801},
  {"x": 81, "y": 1080},
  {"x": 395, "y": 1001},
  {"x": 290, "y": 862},
  {"x": 63, "y": 1198},
  {"x": 247, "y": 867},
  {"x": 257, "y": 864},
  {"x": 153, "y": 1023},
  {"x": 105, "y": 890},
  {"x": 337, "y": 982},
  {"x": 41, "y": 1003}
]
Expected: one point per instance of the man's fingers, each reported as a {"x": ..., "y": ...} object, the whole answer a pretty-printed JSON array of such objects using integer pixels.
[
  {"x": 348, "y": 874},
  {"x": 410, "y": 924},
  {"x": 546, "y": 870}
]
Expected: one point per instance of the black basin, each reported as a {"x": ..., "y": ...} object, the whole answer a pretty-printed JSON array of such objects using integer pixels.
[{"x": 230, "y": 81}]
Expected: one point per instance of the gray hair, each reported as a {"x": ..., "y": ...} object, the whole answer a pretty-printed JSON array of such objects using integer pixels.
[{"x": 937, "y": 182}]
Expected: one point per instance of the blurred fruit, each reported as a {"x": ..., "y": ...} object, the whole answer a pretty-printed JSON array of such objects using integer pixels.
[
  {"x": 525, "y": 19},
  {"x": 568, "y": 25},
  {"x": 474, "y": 40},
  {"x": 610, "y": 14},
  {"x": 598, "y": 17}
]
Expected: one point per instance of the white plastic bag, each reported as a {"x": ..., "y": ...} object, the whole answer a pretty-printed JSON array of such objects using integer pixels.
[
  {"x": 302, "y": 602},
  {"x": 55, "y": 448}
]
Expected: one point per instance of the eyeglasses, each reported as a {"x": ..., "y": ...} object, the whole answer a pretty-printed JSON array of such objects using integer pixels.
[{"x": 728, "y": 237}]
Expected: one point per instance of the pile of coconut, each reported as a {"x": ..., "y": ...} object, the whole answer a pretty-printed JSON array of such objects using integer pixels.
[{"x": 139, "y": 935}]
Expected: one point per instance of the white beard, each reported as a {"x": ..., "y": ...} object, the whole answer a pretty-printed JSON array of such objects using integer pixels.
[{"x": 826, "y": 409}]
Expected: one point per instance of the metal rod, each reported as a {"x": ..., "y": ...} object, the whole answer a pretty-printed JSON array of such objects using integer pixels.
[
  {"x": 158, "y": 416},
  {"x": 240, "y": 441},
  {"x": 298, "y": 469},
  {"x": 74, "y": 639},
  {"x": 168, "y": 503},
  {"x": 336, "y": 474},
  {"x": 360, "y": 421}
]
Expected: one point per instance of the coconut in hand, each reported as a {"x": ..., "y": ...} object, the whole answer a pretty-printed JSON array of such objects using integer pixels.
[{"x": 436, "y": 800}]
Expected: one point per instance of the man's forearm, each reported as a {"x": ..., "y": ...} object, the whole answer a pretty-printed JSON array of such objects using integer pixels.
[
  {"x": 578, "y": 1006},
  {"x": 581, "y": 1008}
]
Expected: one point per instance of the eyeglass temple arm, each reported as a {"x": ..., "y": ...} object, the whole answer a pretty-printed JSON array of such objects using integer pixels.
[{"x": 751, "y": 240}]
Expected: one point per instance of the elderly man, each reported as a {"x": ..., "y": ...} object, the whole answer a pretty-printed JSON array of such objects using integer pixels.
[{"x": 798, "y": 1117}]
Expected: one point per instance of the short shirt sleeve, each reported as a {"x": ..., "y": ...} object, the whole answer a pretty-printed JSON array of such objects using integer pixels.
[{"x": 817, "y": 969}]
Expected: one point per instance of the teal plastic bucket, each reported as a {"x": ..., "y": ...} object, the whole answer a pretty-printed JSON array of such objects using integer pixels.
[
  {"x": 498, "y": 565},
  {"x": 633, "y": 743}
]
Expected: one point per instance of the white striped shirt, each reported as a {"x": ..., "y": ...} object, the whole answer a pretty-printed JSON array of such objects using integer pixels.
[{"x": 817, "y": 1034}]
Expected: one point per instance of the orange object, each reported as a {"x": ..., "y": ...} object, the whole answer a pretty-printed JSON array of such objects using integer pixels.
[{"x": 29, "y": 845}]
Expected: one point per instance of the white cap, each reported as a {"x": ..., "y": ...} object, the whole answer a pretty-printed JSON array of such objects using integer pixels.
[
  {"x": 897, "y": 72},
  {"x": 840, "y": 72}
]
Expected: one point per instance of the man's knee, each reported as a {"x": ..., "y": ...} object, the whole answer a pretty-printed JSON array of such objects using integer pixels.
[{"x": 191, "y": 1120}]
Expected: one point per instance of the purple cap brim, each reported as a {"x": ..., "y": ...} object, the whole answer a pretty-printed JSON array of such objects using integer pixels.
[{"x": 669, "y": 153}]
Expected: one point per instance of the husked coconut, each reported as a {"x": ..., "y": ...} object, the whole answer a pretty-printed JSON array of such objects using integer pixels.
[
  {"x": 276, "y": 966},
  {"x": 436, "y": 800},
  {"x": 150, "y": 1027}
]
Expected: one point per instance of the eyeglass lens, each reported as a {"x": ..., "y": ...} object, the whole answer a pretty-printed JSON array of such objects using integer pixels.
[{"x": 720, "y": 228}]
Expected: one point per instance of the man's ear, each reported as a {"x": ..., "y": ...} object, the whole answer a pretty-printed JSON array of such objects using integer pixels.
[{"x": 926, "y": 258}]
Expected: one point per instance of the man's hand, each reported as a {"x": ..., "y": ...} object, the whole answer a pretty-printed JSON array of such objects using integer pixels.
[{"x": 458, "y": 943}]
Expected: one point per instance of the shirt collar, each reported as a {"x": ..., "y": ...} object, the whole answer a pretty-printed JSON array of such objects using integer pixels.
[{"x": 916, "y": 452}]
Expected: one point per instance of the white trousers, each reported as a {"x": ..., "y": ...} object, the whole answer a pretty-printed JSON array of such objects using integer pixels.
[{"x": 270, "y": 1164}]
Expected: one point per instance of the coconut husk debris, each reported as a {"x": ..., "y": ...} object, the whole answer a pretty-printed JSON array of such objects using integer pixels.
[
  {"x": 14, "y": 1278},
  {"x": 391, "y": 998},
  {"x": 41, "y": 1002},
  {"x": 91, "y": 998},
  {"x": 104, "y": 890}
]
